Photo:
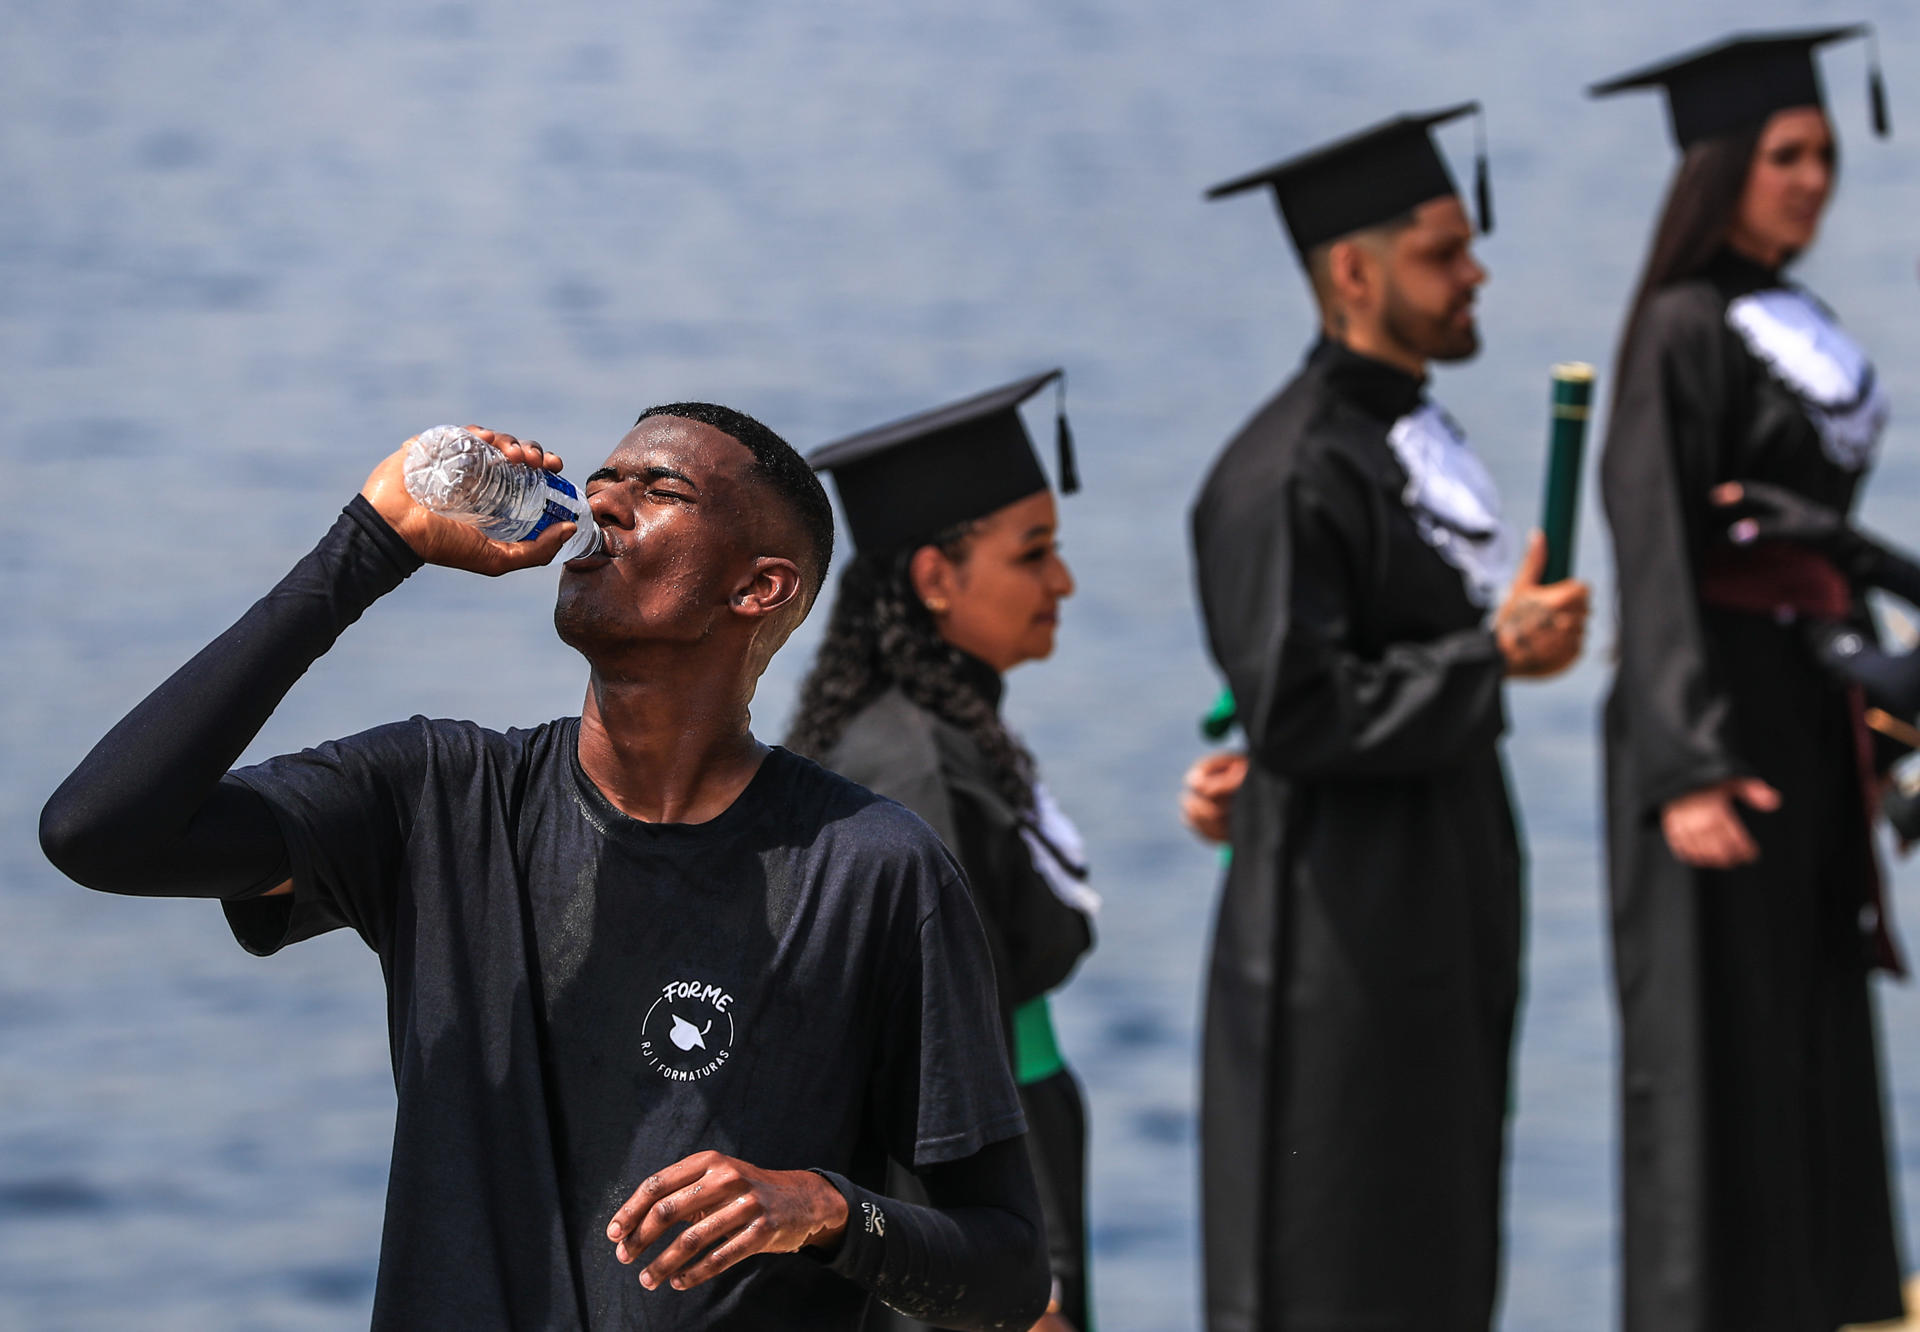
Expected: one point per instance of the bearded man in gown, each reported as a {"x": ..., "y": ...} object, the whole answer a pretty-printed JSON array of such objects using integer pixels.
[{"x": 1365, "y": 968}]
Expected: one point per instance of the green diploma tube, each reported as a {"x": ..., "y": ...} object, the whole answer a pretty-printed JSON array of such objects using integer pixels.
[
  {"x": 1566, "y": 445},
  {"x": 1220, "y": 717}
]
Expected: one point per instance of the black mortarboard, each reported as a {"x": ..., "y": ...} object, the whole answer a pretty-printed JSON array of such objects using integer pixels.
[
  {"x": 1738, "y": 83},
  {"x": 905, "y": 483},
  {"x": 1365, "y": 179}
]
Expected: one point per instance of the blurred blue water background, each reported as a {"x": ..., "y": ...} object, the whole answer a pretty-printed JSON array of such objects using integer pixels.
[{"x": 247, "y": 248}]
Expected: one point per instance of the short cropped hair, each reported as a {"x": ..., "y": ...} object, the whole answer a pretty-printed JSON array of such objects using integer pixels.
[{"x": 780, "y": 466}]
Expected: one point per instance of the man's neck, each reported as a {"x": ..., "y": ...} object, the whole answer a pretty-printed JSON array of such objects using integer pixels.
[
  {"x": 668, "y": 750},
  {"x": 1375, "y": 345}
]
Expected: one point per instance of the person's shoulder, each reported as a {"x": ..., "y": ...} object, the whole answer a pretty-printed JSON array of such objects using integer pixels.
[
  {"x": 907, "y": 751},
  {"x": 892, "y": 745},
  {"x": 1307, "y": 438},
  {"x": 1265, "y": 444},
  {"x": 458, "y": 744},
  {"x": 890, "y": 726},
  {"x": 837, "y": 805},
  {"x": 1688, "y": 300},
  {"x": 1684, "y": 313},
  {"x": 1304, "y": 428},
  {"x": 851, "y": 822},
  {"x": 455, "y": 733}
]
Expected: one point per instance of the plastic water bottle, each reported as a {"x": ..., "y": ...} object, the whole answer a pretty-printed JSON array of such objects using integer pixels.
[{"x": 460, "y": 476}]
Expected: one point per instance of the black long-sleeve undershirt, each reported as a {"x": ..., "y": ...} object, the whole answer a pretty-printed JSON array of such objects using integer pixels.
[
  {"x": 152, "y": 811},
  {"x": 925, "y": 1261}
]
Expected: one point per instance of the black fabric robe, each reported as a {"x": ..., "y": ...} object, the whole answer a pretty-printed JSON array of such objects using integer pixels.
[
  {"x": 901, "y": 750},
  {"x": 1365, "y": 961},
  {"x": 1754, "y": 1174}
]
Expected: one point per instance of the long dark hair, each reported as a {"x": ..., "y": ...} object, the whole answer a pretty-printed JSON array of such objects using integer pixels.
[
  {"x": 1694, "y": 222},
  {"x": 880, "y": 635}
]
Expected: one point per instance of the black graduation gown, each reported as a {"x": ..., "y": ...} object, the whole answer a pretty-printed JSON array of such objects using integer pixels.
[
  {"x": 1365, "y": 963},
  {"x": 899, "y": 749},
  {"x": 1754, "y": 1175}
]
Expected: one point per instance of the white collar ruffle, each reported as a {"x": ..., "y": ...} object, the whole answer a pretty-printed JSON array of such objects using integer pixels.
[
  {"x": 1813, "y": 358},
  {"x": 1059, "y": 852},
  {"x": 1453, "y": 500}
]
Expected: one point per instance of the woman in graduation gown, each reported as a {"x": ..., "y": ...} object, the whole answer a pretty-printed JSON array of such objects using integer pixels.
[
  {"x": 955, "y": 580},
  {"x": 1745, "y": 897}
]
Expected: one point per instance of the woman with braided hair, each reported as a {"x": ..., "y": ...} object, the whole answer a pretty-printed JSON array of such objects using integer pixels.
[{"x": 956, "y": 579}]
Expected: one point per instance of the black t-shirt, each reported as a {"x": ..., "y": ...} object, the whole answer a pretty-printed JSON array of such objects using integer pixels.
[{"x": 578, "y": 999}]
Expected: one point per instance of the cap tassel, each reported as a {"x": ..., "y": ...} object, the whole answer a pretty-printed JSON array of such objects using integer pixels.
[
  {"x": 1877, "y": 88},
  {"x": 1069, "y": 474},
  {"x": 1482, "y": 184}
]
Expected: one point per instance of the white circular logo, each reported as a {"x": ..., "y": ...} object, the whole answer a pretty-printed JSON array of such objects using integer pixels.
[{"x": 688, "y": 1033}]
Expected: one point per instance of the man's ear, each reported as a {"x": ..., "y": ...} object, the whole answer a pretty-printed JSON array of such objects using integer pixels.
[
  {"x": 775, "y": 584},
  {"x": 1350, "y": 272},
  {"x": 934, "y": 578}
]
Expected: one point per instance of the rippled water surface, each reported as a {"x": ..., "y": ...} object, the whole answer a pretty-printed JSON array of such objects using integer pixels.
[{"x": 245, "y": 249}]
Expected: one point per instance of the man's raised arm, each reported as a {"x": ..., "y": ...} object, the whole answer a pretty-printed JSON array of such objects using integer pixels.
[{"x": 151, "y": 809}]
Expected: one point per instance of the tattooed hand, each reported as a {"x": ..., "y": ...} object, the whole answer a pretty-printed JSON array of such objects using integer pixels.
[{"x": 1540, "y": 626}]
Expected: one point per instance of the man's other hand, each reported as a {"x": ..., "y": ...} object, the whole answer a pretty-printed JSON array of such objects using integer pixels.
[
  {"x": 1540, "y": 626},
  {"x": 1207, "y": 792},
  {"x": 440, "y": 540},
  {"x": 731, "y": 1210}
]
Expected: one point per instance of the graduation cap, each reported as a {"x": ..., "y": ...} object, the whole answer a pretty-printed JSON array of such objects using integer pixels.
[
  {"x": 1738, "y": 83},
  {"x": 904, "y": 483},
  {"x": 1365, "y": 179}
]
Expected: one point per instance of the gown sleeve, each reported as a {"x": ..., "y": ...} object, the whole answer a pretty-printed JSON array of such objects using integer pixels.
[
  {"x": 1283, "y": 603},
  {"x": 1892, "y": 680},
  {"x": 1851, "y": 649},
  {"x": 1662, "y": 455},
  {"x": 1892, "y": 571}
]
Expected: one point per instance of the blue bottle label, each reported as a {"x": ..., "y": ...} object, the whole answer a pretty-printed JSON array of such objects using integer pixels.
[{"x": 556, "y": 511}]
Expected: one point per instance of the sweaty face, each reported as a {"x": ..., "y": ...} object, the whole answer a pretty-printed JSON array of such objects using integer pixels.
[
  {"x": 1787, "y": 186},
  {"x": 1431, "y": 280},
  {"x": 1002, "y": 598},
  {"x": 675, "y": 501}
]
